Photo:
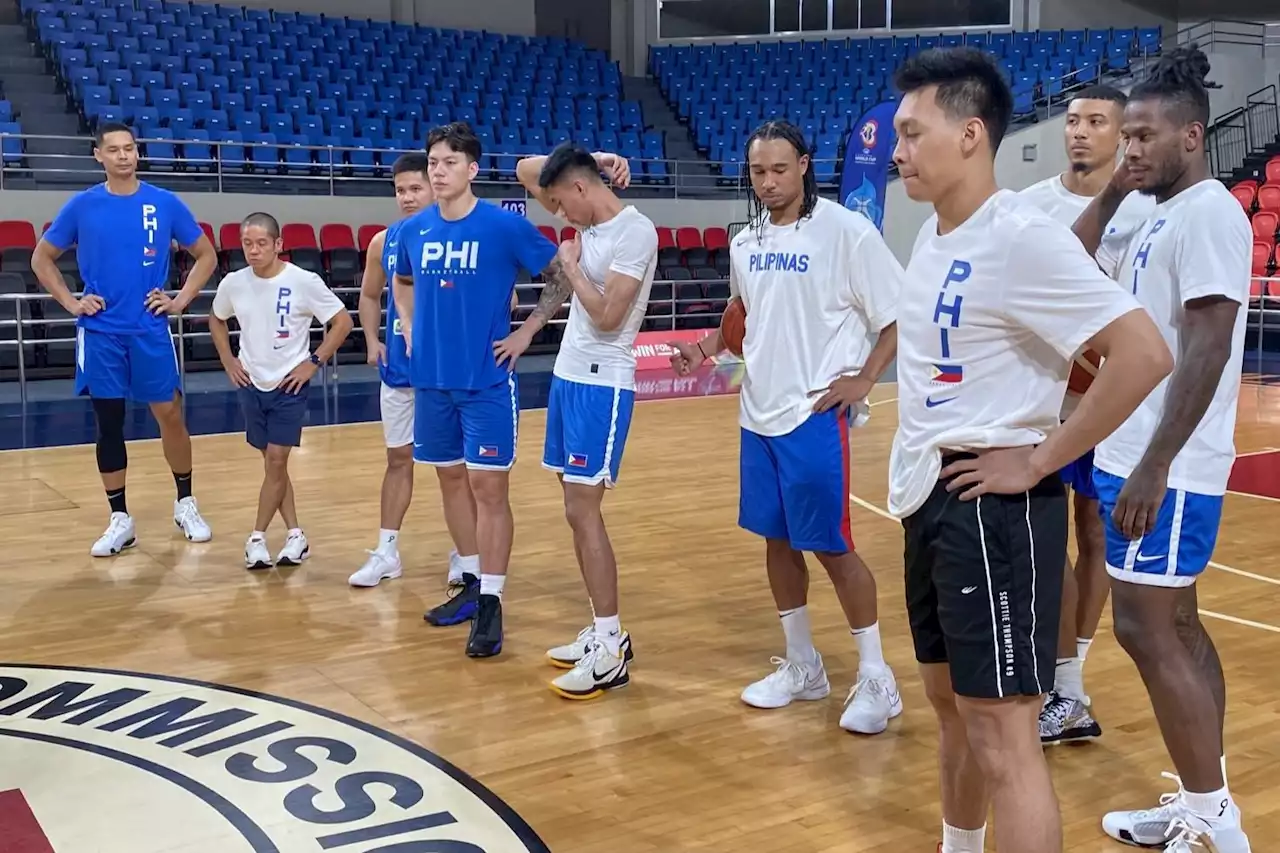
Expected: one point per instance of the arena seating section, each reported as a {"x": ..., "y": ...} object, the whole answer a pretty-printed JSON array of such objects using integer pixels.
[
  {"x": 1262, "y": 202},
  {"x": 692, "y": 293},
  {"x": 10, "y": 147},
  {"x": 267, "y": 83},
  {"x": 725, "y": 91}
]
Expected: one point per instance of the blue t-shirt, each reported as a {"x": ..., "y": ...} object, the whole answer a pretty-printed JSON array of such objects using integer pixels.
[
  {"x": 464, "y": 273},
  {"x": 122, "y": 247},
  {"x": 395, "y": 371}
]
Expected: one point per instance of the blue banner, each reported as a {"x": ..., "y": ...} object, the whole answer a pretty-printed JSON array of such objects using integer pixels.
[{"x": 868, "y": 153}]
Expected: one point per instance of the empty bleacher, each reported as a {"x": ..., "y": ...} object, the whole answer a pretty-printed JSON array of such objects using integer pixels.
[{"x": 1261, "y": 200}]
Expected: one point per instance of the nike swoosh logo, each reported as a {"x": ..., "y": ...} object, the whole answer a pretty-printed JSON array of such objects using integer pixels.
[
  {"x": 1146, "y": 558},
  {"x": 932, "y": 403},
  {"x": 148, "y": 263}
]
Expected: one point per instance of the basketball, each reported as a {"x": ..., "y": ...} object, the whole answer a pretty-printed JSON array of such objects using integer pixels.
[
  {"x": 733, "y": 326},
  {"x": 1083, "y": 368}
]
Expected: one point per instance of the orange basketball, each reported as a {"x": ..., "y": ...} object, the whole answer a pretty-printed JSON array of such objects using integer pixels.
[
  {"x": 1083, "y": 369},
  {"x": 733, "y": 326}
]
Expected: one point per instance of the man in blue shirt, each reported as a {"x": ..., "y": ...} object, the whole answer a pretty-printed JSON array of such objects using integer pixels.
[
  {"x": 122, "y": 230},
  {"x": 456, "y": 270}
]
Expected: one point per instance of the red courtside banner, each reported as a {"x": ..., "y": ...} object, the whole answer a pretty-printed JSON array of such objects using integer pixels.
[{"x": 655, "y": 380}]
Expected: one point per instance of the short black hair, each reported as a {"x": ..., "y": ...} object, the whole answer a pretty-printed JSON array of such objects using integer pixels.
[
  {"x": 1178, "y": 78},
  {"x": 262, "y": 220},
  {"x": 100, "y": 135},
  {"x": 970, "y": 85},
  {"x": 413, "y": 161},
  {"x": 459, "y": 137},
  {"x": 568, "y": 157},
  {"x": 1101, "y": 92}
]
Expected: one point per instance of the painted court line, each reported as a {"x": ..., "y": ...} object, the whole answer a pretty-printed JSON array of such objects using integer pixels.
[
  {"x": 882, "y": 402},
  {"x": 868, "y": 505}
]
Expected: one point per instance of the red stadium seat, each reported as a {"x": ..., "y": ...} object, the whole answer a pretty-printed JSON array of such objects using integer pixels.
[
  {"x": 1245, "y": 193},
  {"x": 298, "y": 235},
  {"x": 1265, "y": 225},
  {"x": 1273, "y": 170},
  {"x": 1262, "y": 256},
  {"x": 715, "y": 239},
  {"x": 1257, "y": 289},
  {"x": 666, "y": 240},
  {"x": 688, "y": 238},
  {"x": 208, "y": 232},
  {"x": 549, "y": 233},
  {"x": 366, "y": 234},
  {"x": 229, "y": 236},
  {"x": 1269, "y": 197},
  {"x": 336, "y": 236},
  {"x": 567, "y": 233},
  {"x": 17, "y": 234}
]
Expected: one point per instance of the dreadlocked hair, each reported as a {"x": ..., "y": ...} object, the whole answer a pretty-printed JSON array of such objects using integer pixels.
[
  {"x": 1178, "y": 78},
  {"x": 785, "y": 130}
]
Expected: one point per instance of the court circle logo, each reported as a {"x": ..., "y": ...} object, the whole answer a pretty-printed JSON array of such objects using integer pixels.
[{"x": 147, "y": 763}]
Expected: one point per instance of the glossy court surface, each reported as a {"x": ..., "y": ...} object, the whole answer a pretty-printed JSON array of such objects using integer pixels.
[{"x": 359, "y": 694}]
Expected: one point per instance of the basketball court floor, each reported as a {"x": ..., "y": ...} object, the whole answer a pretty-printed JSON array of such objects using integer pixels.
[{"x": 168, "y": 700}]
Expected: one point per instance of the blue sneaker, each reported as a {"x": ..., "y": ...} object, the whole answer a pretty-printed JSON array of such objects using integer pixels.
[
  {"x": 461, "y": 606},
  {"x": 486, "y": 631}
]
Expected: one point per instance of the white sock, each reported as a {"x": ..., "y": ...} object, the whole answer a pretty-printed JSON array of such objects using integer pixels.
[
  {"x": 1213, "y": 807},
  {"x": 963, "y": 840},
  {"x": 795, "y": 626},
  {"x": 466, "y": 565},
  {"x": 492, "y": 584},
  {"x": 388, "y": 541},
  {"x": 1068, "y": 678},
  {"x": 1224, "y": 769},
  {"x": 258, "y": 534},
  {"x": 295, "y": 531},
  {"x": 609, "y": 632},
  {"x": 870, "y": 655},
  {"x": 1082, "y": 648},
  {"x": 455, "y": 569}
]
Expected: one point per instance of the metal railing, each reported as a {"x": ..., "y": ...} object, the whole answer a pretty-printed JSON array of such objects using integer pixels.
[
  {"x": 23, "y": 332},
  {"x": 1245, "y": 130},
  {"x": 1224, "y": 33}
]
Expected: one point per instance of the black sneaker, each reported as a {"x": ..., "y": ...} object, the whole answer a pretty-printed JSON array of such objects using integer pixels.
[
  {"x": 486, "y": 631},
  {"x": 461, "y": 605}
]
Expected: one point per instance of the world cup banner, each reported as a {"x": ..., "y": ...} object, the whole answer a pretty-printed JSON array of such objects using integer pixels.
[
  {"x": 868, "y": 152},
  {"x": 653, "y": 351}
]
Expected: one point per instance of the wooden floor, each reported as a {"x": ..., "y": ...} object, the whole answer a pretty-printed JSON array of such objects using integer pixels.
[{"x": 674, "y": 762}]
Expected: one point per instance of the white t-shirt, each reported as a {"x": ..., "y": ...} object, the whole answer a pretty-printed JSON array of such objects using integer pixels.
[
  {"x": 1052, "y": 196},
  {"x": 626, "y": 244},
  {"x": 990, "y": 317},
  {"x": 816, "y": 293},
  {"x": 1196, "y": 244},
  {"x": 275, "y": 317}
]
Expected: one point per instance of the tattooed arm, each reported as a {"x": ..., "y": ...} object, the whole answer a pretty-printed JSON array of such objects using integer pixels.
[{"x": 555, "y": 292}]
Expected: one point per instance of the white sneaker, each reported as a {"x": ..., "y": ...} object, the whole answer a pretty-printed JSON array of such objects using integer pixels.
[
  {"x": 117, "y": 537},
  {"x": 568, "y": 655},
  {"x": 379, "y": 567},
  {"x": 596, "y": 671},
  {"x": 789, "y": 681},
  {"x": 1192, "y": 834},
  {"x": 186, "y": 515},
  {"x": 256, "y": 555},
  {"x": 1146, "y": 827},
  {"x": 295, "y": 550},
  {"x": 872, "y": 702}
]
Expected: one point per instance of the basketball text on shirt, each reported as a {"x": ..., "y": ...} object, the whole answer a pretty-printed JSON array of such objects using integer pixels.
[
  {"x": 463, "y": 256},
  {"x": 282, "y": 313},
  {"x": 1143, "y": 252},
  {"x": 789, "y": 261}
]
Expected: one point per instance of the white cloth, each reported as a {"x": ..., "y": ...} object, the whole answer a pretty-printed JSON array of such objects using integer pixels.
[
  {"x": 817, "y": 292},
  {"x": 397, "y": 407},
  {"x": 1196, "y": 244},
  {"x": 990, "y": 317},
  {"x": 275, "y": 317},
  {"x": 628, "y": 245}
]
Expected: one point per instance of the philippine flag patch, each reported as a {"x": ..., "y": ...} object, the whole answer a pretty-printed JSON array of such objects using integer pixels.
[
  {"x": 577, "y": 460},
  {"x": 488, "y": 450},
  {"x": 948, "y": 374}
]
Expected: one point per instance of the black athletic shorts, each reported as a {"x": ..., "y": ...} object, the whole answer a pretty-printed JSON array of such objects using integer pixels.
[{"x": 984, "y": 587}]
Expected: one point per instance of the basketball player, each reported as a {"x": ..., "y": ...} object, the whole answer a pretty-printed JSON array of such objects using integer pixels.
[
  {"x": 455, "y": 274},
  {"x": 1092, "y": 134},
  {"x": 818, "y": 282},
  {"x": 123, "y": 229},
  {"x": 609, "y": 270},
  {"x": 274, "y": 302},
  {"x": 1162, "y": 475},
  {"x": 996, "y": 300}
]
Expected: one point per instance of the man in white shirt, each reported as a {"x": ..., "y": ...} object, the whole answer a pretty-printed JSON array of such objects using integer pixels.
[
  {"x": 1092, "y": 137},
  {"x": 274, "y": 303},
  {"x": 1161, "y": 475},
  {"x": 996, "y": 300},
  {"x": 818, "y": 283},
  {"x": 609, "y": 270}
]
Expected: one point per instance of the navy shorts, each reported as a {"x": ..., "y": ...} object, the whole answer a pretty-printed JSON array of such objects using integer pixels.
[
  {"x": 274, "y": 417},
  {"x": 587, "y": 428},
  {"x": 1078, "y": 476},
  {"x": 142, "y": 367},
  {"x": 795, "y": 487},
  {"x": 475, "y": 427}
]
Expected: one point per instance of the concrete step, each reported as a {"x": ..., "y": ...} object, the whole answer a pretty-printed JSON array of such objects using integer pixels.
[
  {"x": 37, "y": 84},
  {"x": 33, "y": 104},
  {"x": 12, "y": 62}
]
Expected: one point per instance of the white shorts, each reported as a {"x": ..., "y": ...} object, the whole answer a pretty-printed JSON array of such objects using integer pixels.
[{"x": 397, "y": 416}]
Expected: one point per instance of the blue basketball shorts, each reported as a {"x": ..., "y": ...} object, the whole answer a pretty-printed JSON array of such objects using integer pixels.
[
  {"x": 142, "y": 367},
  {"x": 1176, "y": 551},
  {"x": 478, "y": 428},
  {"x": 587, "y": 428},
  {"x": 274, "y": 417},
  {"x": 795, "y": 487},
  {"x": 1078, "y": 476}
]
